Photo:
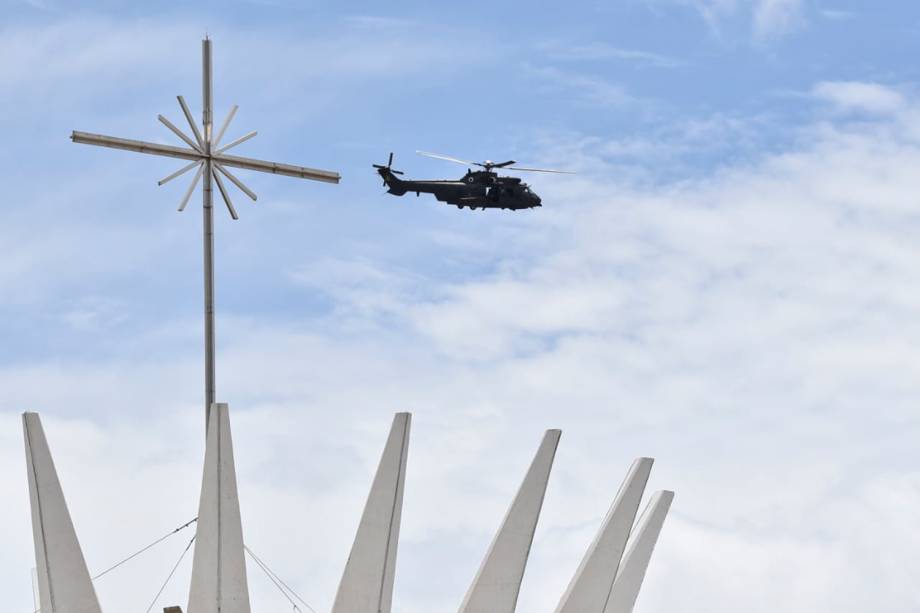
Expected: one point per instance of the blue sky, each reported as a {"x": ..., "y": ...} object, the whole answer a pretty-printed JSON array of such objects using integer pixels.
[{"x": 727, "y": 285}]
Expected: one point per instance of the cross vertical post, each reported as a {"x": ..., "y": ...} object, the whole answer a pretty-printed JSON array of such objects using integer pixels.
[
  {"x": 205, "y": 154},
  {"x": 207, "y": 193}
]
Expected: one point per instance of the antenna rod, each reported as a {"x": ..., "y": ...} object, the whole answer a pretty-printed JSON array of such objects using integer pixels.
[{"x": 208, "y": 213}]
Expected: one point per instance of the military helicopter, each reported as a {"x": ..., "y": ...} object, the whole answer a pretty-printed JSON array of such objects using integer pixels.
[{"x": 482, "y": 189}]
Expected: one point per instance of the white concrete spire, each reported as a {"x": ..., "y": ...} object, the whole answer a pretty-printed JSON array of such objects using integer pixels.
[
  {"x": 367, "y": 583},
  {"x": 219, "y": 569},
  {"x": 590, "y": 588},
  {"x": 639, "y": 554},
  {"x": 498, "y": 582},
  {"x": 64, "y": 585}
]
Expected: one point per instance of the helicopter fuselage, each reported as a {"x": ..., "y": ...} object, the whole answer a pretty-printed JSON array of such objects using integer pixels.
[{"x": 476, "y": 189}]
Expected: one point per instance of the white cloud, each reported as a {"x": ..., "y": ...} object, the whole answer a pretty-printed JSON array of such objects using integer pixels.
[
  {"x": 776, "y": 17},
  {"x": 837, "y": 14},
  {"x": 859, "y": 96},
  {"x": 91, "y": 55},
  {"x": 587, "y": 89},
  {"x": 754, "y": 329},
  {"x": 359, "y": 284},
  {"x": 598, "y": 51},
  {"x": 73, "y": 50},
  {"x": 767, "y": 18}
]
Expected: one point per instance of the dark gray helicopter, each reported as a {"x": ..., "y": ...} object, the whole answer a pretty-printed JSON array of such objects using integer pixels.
[{"x": 482, "y": 189}]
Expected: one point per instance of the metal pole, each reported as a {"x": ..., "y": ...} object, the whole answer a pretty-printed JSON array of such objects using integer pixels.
[{"x": 208, "y": 210}]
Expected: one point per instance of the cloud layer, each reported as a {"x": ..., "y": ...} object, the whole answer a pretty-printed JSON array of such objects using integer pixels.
[{"x": 751, "y": 325}]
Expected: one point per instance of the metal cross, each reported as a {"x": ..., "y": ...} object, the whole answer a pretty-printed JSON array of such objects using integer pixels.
[{"x": 205, "y": 154}]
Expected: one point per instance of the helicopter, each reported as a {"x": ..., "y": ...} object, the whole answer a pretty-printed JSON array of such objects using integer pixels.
[{"x": 482, "y": 189}]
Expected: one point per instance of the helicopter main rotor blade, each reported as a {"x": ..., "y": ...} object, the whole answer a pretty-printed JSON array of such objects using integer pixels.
[
  {"x": 559, "y": 172},
  {"x": 489, "y": 165},
  {"x": 448, "y": 158}
]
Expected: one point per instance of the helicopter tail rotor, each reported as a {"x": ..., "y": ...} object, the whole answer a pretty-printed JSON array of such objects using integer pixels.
[{"x": 387, "y": 171}]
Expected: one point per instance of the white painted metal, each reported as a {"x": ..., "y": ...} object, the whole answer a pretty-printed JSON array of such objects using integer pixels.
[
  {"x": 236, "y": 182},
  {"x": 498, "y": 582},
  {"x": 138, "y": 146},
  {"x": 367, "y": 583},
  {"x": 179, "y": 133},
  {"x": 204, "y": 150},
  {"x": 639, "y": 554},
  {"x": 185, "y": 109},
  {"x": 191, "y": 187},
  {"x": 287, "y": 170},
  {"x": 226, "y": 124},
  {"x": 64, "y": 584},
  {"x": 223, "y": 193},
  {"x": 219, "y": 582},
  {"x": 238, "y": 141},
  {"x": 207, "y": 210},
  {"x": 127, "y": 144},
  {"x": 590, "y": 588},
  {"x": 178, "y": 173}
]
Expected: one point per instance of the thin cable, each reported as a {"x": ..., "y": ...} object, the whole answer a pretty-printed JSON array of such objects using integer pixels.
[
  {"x": 171, "y": 573},
  {"x": 137, "y": 553},
  {"x": 272, "y": 579},
  {"x": 272, "y": 573}
]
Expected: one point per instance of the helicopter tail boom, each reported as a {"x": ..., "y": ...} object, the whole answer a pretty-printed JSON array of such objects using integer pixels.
[{"x": 393, "y": 184}]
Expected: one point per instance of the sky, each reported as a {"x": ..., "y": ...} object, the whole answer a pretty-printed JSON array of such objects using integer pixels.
[{"x": 728, "y": 285}]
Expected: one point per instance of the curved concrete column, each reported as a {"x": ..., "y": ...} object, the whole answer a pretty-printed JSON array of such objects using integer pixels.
[
  {"x": 590, "y": 588},
  {"x": 498, "y": 582},
  {"x": 367, "y": 583}
]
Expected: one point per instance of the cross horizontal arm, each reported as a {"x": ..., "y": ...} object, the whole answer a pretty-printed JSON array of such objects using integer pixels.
[
  {"x": 138, "y": 146},
  {"x": 278, "y": 169}
]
